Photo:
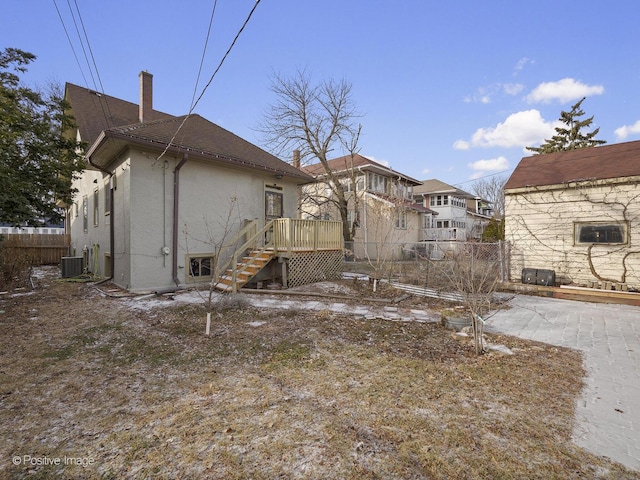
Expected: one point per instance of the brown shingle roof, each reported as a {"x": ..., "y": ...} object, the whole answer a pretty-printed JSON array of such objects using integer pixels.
[
  {"x": 592, "y": 163},
  {"x": 96, "y": 113},
  {"x": 198, "y": 136},
  {"x": 347, "y": 162}
]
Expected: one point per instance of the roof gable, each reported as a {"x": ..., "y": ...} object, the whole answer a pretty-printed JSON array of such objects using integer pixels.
[
  {"x": 95, "y": 112},
  {"x": 591, "y": 163},
  {"x": 102, "y": 119},
  {"x": 436, "y": 186},
  {"x": 357, "y": 161}
]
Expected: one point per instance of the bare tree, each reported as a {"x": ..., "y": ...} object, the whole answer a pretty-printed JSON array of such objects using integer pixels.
[
  {"x": 219, "y": 238},
  {"x": 492, "y": 190},
  {"x": 314, "y": 119},
  {"x": 472, "y": 271}
]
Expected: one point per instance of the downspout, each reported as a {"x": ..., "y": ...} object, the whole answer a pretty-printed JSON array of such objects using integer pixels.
[{"x": 176, "y": 196}]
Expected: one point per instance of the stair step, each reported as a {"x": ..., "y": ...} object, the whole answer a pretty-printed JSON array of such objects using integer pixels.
[
  {"x": 251, "y": 265},
  {"x": 260, "y": 260}
]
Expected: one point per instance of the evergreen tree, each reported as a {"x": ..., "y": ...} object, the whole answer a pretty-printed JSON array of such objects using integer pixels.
[
  {"x": 570, "y": 137},
  {"x": 37, "y": 163}
]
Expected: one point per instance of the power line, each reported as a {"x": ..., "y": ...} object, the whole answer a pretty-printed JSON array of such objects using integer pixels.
[
  {"x": 101, "y": 103},
  {"x": 224, "y": 57},
  {"x": 73, "y": 17},
  {"x": 484, "y": 176},
  {"x": 204, "y": 51},
  {"x": 93, "y": 59},
  {"x": 70, "y": 43}
]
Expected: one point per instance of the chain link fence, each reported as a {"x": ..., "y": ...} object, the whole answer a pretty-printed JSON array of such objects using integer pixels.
[{"x": 429, "y": 264}]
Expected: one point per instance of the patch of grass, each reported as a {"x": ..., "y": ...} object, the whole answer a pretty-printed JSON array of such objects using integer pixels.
[
  {"x": 295, "y": 395},
  {"x": 289, "y": 352}
]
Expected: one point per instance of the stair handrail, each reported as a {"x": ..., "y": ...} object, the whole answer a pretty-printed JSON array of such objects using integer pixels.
[{"x": 252, "y": 241}]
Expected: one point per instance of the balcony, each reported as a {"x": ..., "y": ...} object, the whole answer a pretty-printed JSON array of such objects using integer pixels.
[{"x": 443, "y": 234}]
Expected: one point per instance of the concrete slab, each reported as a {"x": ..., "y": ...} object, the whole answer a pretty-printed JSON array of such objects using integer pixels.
[{"x": 608, "y": 413}]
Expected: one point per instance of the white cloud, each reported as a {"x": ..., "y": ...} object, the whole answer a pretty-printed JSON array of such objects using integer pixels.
[
  {"x": 626, "y": 130},
  {"x": 563, "y": 91},
  {"x": 491, "y": 165},
  {"x": 425, "y": 171},
  {"x": 482, "y": 95},
  {"x": 521, "y": 64},
  {"x": 486, "y": 94},
  {"x": 524, "y": 128},
  {"x": 461, "y": 145},
  {"x": 512, "y": 88}
]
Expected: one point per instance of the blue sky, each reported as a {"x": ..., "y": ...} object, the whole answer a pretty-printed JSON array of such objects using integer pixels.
[{"x": 448, "y": 90}]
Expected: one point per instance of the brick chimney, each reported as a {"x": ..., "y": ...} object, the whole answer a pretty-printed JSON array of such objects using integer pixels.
[
  {"x": 296, "y": 158},
  {"x": 146, "y": 96}
]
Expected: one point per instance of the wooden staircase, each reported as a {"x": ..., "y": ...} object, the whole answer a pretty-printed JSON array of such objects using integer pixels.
[{"x": 245, "y": 270}]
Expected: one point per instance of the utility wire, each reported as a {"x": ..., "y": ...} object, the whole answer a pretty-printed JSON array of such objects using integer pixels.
[
  {"x": 93, "y": 59},
  {"x": 101, "y": 103},
  {"x": 70, "y": 43},
  {"x": 73, "y": 17},
  {"x": 204, "y": 51},
  {"x": 225, "y": 56},
  {"x": 479, "y": 178},
  {"x": 193, "y": 106}
]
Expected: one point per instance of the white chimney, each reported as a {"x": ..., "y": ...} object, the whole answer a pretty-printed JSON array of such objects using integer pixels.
[{"x": 146, "y": 96}]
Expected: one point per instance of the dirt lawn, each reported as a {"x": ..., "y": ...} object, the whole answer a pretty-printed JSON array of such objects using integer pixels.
[{"x": 91, "y": 387}]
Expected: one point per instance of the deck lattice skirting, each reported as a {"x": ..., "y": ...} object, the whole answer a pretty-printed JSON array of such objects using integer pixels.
[{"x": 316, "y": 266}]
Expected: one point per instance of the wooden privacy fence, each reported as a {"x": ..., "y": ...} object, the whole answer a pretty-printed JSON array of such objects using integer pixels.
[{"x": 42, "y": 249}]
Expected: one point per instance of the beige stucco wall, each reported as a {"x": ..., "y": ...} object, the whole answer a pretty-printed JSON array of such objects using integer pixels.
[
  {"x": 540, "y": 226},
  {"x": 92, "y": 244},
  {"x": 214, "y": 199},
  {"x": 378, "y": 237}
]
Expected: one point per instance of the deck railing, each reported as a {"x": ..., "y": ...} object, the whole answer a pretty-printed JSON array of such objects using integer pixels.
[
  {"x": 282, "y": 235},
  {"x": 444, "y": 234},
  {"x": 291, "y": 234}
]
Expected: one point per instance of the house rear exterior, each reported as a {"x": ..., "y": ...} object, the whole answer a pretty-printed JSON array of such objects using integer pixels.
[
  {"x": 577, "y": 213},
  {"x": 461, "y": 215},
  {"x": 380, "y": 205},
  {"x": 162, "y": 194}
]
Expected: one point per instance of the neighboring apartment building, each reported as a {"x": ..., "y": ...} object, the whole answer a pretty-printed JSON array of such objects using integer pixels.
[
  {"x": 461, "y": 215},
  {"x": 380, "y": 205}
]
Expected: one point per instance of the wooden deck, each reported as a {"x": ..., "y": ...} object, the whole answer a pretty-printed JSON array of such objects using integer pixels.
[
  {"x": 283, "y": 237},
  {"x": 583, "y": 294}
]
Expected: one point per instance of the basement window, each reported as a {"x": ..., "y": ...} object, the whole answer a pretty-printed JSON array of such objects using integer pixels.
[
  {"x": 604, "y": 233},
  {"x": 200, "y": 267}
]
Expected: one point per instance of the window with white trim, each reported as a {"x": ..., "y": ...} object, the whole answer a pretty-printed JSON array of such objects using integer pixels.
[
  {"x": 401, "y": 220},
  {"x": 96, "y": 196},
  {"x": 107, "y": 198},
  {"x": 200, "y": 267},
  {"x": 85, "y": 214}
]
